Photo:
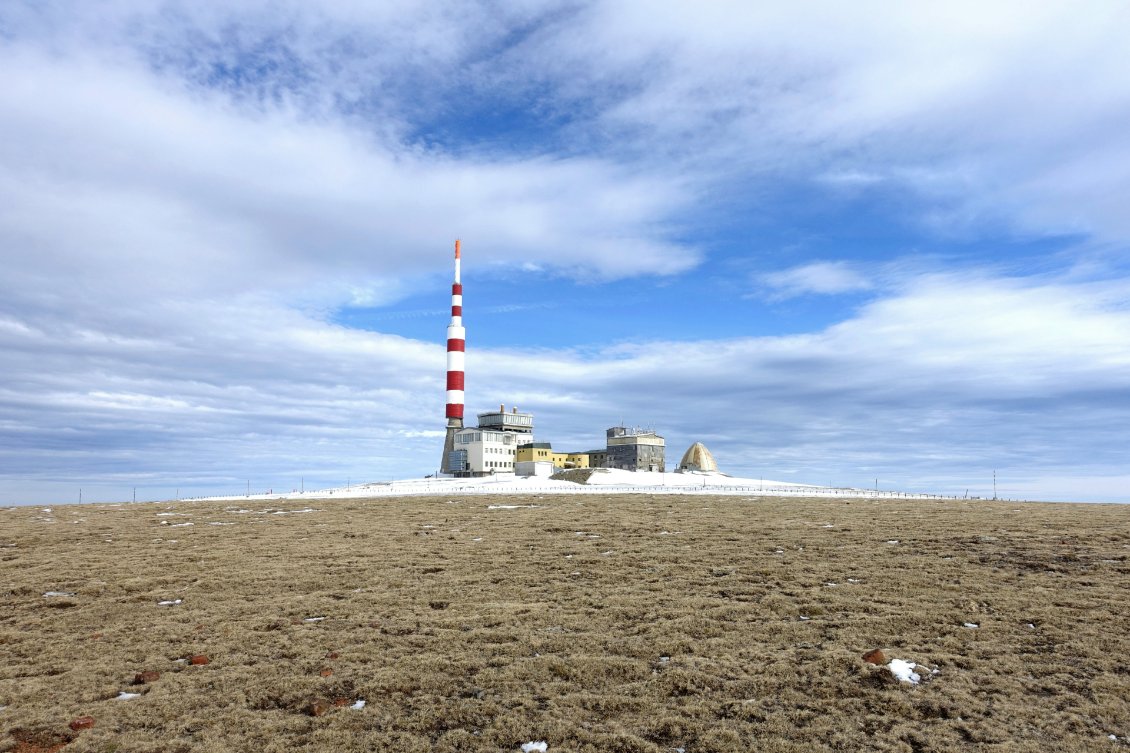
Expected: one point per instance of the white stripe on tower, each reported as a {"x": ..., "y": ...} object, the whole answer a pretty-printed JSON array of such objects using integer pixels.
[{"x": 456, "y": 346}]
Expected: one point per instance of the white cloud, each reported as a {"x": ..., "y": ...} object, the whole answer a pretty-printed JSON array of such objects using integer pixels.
[
  {"x": 182, "y": 190},
  {"x": 934, "y": 385},
  {"x": 820, "y": 278},
  {"x": 961, "y": 102},
  {"x": 186, "y": 190},
  {"x": 931, "y": 387}
]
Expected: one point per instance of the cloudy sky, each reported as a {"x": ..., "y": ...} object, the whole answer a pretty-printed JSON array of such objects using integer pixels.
[{"x": 835, "y": 242}]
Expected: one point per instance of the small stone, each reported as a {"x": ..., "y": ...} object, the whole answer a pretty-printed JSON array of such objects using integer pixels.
[
  {"x": 82, "y": 722},
  {"x": 332, "y": 655},
  {"x": 96, "y": 636},
  {"x": 317, "y": 707},
  {"x": 326, "y": 672},
  {"x": 149, "y": 675},
  {"x": 198, "y": 659},
  {"x": 339, "y": 702},
  {"x": 875, "y": 656}
]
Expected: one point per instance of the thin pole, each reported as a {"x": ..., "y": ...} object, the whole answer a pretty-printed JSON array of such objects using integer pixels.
[
  {"x": 135, "y": 494},
  {"x": 80, "y": 495}
]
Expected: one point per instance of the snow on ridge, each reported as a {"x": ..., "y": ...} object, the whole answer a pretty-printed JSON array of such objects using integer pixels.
[{"x": 600, "y": 481}]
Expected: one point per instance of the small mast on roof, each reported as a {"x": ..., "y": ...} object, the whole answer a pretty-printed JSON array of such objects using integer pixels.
[{"x": 456, "y": 348}]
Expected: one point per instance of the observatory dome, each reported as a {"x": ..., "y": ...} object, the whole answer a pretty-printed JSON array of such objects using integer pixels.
[{"x": 697, "y": 458}]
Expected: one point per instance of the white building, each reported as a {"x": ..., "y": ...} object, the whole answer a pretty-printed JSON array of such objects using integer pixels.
[{"x": 490, "y": 447}]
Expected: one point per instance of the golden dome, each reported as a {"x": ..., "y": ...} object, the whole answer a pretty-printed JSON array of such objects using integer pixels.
[{"x": 698, "y": 458}]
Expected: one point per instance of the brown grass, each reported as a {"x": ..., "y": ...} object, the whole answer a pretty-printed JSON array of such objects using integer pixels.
[{"x": 618, "y": 623}]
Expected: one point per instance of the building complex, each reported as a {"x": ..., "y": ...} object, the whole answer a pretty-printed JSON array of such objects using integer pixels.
[{"x": 503, "y": 441}]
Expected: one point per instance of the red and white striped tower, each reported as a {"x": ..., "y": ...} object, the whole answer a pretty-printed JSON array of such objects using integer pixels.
[{"x": 456, "y": 347}]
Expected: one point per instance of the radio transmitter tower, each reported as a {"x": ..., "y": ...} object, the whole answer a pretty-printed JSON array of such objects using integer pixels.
[{"x": 456, "y": 347}]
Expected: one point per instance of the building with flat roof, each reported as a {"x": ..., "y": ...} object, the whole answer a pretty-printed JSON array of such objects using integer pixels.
[
  {"x": 542, "y": 452},
  {"x": 634, "y": 449},
  {"x": 491, "y": 447}
]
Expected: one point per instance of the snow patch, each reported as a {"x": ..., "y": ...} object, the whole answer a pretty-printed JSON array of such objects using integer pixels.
[
  {"x": 541, "y": 746},
  {"x": 970, "y": 625},
  {"x": 124, "y": 696},
  {"x": 313, "y": 619},
  {"x": 511, "y": 507},
  {"x": 904, "y": 671},
  {"x": 50, "y": 594},
  {"x": 170, "y": 602},
  {"x": 360, "y": 704}
]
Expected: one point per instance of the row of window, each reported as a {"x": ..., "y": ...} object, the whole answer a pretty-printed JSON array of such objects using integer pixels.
[{"x": 488, "y": 436}]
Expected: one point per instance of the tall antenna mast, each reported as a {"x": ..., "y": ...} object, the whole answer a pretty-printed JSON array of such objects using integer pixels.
[{"x": 456, "y": 349}]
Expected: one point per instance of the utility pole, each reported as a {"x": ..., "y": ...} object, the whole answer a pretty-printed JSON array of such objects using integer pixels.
[
  {"x": 994, "y": 483},
  {"x": 248, "y": 487},
  {"x": 80, "y": 495},
  {"x": 135, "y": 494}
]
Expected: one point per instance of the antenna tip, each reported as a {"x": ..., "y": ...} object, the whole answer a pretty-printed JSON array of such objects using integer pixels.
[{"x": 456, "y": 248}]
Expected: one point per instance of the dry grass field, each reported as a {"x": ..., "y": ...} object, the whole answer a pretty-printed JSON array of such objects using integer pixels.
[{"x": 611, "y": 623}]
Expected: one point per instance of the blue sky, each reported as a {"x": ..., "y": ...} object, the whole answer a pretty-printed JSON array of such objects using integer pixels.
[{"x": 834, "y": 243}]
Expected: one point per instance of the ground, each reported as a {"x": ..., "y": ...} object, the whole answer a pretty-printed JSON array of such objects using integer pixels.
[{"x": 593, "y": 623}]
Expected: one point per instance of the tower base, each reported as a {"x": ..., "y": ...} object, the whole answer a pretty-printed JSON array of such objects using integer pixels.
[{"x": 445, "y": 464}]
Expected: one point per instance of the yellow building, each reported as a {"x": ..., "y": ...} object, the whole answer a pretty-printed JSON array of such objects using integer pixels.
[
  {"x": 575, "y": 459},
  {"x": 542, "y": 452}
]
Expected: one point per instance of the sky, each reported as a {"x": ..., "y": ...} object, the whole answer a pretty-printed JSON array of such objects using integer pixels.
[{"x": 847, "y": 244}]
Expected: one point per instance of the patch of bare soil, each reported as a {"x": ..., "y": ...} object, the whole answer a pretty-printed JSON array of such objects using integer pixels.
[{"x": 622, "y": 622}]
